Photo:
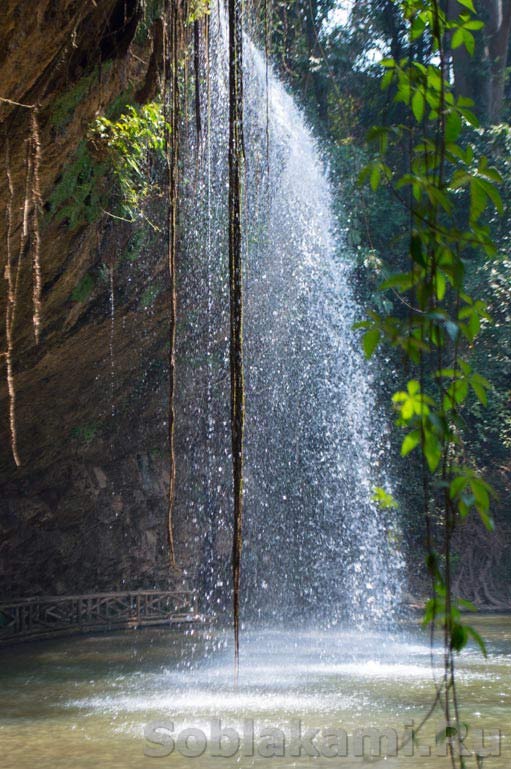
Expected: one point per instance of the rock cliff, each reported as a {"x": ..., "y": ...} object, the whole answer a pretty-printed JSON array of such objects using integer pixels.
[{"x": 86, "y": 510}]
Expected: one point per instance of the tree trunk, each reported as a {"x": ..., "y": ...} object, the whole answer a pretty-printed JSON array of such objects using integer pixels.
[
  {"x": 482, "y": 77},
  {"x": 497, "y": 38}
]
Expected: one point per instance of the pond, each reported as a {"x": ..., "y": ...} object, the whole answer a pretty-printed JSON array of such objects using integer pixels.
[{"x": 158, "y": 698}]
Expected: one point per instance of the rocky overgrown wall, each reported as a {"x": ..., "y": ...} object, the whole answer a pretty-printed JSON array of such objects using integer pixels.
[{"x": 87, "y": 508}]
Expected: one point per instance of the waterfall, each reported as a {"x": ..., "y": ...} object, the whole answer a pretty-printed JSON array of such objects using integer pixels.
[{"x": 316, "y": 548}]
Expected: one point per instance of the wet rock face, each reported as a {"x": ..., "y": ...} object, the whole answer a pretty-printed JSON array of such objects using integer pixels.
[
  {"x": 79, "y": 526},
  {"x": 87, "y": 508}
]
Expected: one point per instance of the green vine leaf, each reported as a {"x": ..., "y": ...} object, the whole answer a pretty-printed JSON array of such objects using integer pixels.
[{"x": 370, "y": 341}]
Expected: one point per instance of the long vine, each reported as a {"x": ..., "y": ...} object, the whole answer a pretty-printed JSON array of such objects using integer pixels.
[
  {"x": 447, "y": 190},
  {"x": 11, "y": 274},
  {"x": 171, "y": 106},
  {"x": 236, "y": 297},
  {"x": 29, "y": 231}
]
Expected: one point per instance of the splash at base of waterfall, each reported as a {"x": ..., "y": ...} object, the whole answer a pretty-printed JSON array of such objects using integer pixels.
[{"x": 88, "y": 701}]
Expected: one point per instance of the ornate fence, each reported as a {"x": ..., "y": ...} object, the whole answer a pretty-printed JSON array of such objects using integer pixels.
[{"x": 33, "y": 618}]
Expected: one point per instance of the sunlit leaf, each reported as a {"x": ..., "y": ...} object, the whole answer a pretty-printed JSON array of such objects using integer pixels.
[
  {"x": 418, "y": 105},
  {"x": 467, "y": 4},
  {"x": 370, "y": 341},
  {"x": 383, "y": 498},
  {"x": 410, "y": 442},
  {"x": 472, "y": 632},
  {"x": 452, "y": 126},
  {"x": 459, "y": 637}
]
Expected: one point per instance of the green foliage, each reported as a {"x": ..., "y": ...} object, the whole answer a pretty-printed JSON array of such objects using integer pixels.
[
  {"x": 197, "y": 9},
  {"x": 126, "y": 148},
  {"x": 450, "y": 193},
  {"x": 130, "y": 144},
  {"x": 442, "y": 609},
  {"x": 104, "y": 273},
  {"x": 85, "y": 433},
  {"x": 148, "y": 297},
  {"x": 64, "y": 107},
  {"x": 84, "y": 288},
  {"x": 77, "y": 197},
  {"x": 135, "y": 245},
  {"x": 383, "y": 498}
]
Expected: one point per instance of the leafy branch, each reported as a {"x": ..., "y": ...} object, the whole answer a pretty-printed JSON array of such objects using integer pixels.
[{"x": 448, "y": 192}]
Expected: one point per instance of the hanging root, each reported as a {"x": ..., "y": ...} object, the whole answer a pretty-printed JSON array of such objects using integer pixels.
[
  {"x": 267, "y": 32},
  {"x": 207, "y": 59},
  {"x": 12, "y": 405},
  {"x": 37, "y": 205},
  {"x": 236, "y": 299},
  {"x": 10, "y": 312},
  {"x": 196, "y": 74},
  {"x": 32, "y": 209},
  {"x": 26, "y": 203},
  {"x": 171, "y": 107}
]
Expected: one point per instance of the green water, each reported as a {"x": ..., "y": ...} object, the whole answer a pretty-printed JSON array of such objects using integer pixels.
[{"x": 84, "y": 702}]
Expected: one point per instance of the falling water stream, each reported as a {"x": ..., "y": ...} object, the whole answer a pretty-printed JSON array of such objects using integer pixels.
[
  {"x": 315, "y": 545},
  {"x": 111, "y": 340},
  {"x": 322, "y": 643},
  {"x": 315, "y": 441}
]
